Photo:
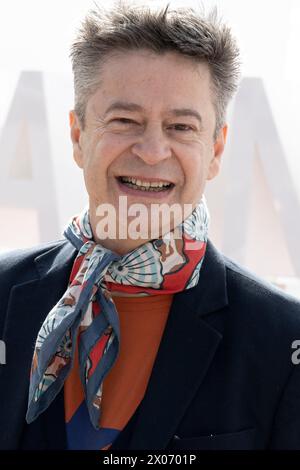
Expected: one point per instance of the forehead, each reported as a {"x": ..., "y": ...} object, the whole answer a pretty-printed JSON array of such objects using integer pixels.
[{"x": 150, "y": 79}]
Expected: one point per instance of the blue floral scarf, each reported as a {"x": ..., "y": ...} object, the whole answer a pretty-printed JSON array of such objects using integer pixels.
[{"x": 86, "y": 315}]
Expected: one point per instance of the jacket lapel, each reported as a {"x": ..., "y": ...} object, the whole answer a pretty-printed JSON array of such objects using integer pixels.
[
  {"x": 29, "y": 304},
  {"x": 185, "y": 354}
]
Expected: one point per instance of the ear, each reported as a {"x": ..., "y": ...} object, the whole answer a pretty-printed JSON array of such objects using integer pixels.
[
  {"x": 214, "y": 165},
  {"x": 76, "y": 132}
]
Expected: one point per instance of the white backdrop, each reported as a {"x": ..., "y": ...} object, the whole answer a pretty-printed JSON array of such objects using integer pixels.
[{"x": 36, "y": 35}]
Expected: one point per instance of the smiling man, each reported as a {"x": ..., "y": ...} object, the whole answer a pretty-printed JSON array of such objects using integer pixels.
[
  {"x": 118, "y": 339},
  {"x": 150, "y": 135}
]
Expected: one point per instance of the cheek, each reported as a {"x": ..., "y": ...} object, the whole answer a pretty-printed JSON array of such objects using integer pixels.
[
  {"x": 107, "y": 150},
  {"x": 94, "y": 169},
  {"x": 96, "y": 158},
  {"x": 194, "y": 166}
]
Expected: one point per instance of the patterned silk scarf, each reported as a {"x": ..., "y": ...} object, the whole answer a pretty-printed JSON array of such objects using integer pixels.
[{"x": 86, "y": 315}]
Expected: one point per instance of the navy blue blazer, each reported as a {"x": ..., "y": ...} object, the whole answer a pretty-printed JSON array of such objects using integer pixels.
[{"x": 223, "y": 377}]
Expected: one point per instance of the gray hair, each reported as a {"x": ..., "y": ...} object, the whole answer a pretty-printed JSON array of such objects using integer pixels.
[{"x": 130, "y": 27}]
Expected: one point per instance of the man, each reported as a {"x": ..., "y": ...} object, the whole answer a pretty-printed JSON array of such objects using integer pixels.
[{"x": 135, "y": 340}]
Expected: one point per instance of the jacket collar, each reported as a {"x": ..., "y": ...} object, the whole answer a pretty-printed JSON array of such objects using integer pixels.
[{"x": 186, "y": 351}]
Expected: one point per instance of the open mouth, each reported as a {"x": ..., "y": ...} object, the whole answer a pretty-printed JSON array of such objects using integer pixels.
[{"x": 145, "y": 185}]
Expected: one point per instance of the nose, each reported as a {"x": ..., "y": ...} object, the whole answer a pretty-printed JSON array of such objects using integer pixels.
[{"x": 153, "y": 146}]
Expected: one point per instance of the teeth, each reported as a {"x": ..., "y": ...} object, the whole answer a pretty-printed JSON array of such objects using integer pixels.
[{"x": 144, "y": 184}]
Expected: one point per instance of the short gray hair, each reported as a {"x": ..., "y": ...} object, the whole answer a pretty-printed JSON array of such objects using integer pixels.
[{"x": 201, "y": 37}]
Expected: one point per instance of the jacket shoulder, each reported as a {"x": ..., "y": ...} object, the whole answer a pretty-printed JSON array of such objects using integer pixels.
[
  {"x": 260, "y": 298},
  {"x": 18, "y": 267},
  {"x": 15, "y": 262}
]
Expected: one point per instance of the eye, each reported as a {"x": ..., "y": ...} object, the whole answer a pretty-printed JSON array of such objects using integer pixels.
[
  {"x": 182, "y": 127},
  {"x": 124, "y": 121}
]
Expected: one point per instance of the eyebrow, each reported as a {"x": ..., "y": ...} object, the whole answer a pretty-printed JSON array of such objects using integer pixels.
[
  {"x": 123, "y": 106},
  {"x": 186, "y": 112},
  {"x": 127, "y": 106}
]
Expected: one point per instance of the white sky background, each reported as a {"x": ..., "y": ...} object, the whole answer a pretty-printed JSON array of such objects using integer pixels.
[{"x": 36, "y": 35}]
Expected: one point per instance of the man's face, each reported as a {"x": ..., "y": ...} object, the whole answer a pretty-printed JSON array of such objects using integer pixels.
[{"x": 152, "y": 119}]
